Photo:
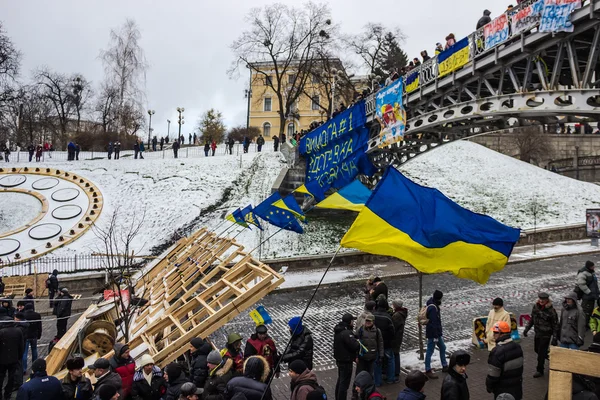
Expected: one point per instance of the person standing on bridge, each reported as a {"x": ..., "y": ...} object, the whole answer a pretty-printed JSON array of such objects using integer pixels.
[
  {"x": 545, "y": 320},
  {"x": 497, "y": 314},
  {"x": 484, "y": 20}
]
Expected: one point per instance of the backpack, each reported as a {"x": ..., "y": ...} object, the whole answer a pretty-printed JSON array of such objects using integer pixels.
[
  {"x": 578, "y": 292},
  {"x": 422, "y": 316},
  {"x": 377, "y": 395},
  {"x": 317, "y": 388}
]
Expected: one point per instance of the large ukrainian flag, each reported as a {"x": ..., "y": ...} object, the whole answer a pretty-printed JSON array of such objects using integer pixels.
[
  {"x": 351, "y": 197},
  {"x": 423, "y": 227},
  {"x": 453, "y": 58}
]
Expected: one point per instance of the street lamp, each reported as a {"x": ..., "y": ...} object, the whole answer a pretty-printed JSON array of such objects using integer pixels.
[
  {"x": 150, "y": 113},
  {"x": 180, "y": 121},
  {"x": 248, "y": 95},
  {"x": 168, "y": 128}
]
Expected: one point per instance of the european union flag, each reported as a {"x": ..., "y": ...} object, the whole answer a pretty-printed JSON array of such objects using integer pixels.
[
  {"x": 289, "y": 203},
  {"x": 277, "y": 216},
  {"x": 423, "y": 227},
  {"x": 351, "y": 197},
  {"x": 248, "y": 216}
]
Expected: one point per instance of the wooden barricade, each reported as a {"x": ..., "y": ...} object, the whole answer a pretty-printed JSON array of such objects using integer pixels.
[{"x": 563, "y": 364}]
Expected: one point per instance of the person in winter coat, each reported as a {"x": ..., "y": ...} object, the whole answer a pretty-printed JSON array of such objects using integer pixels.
[
  {"x": 117, "y": 150},
  {"x": 261, "y": 344},
  {"x": 587, "y": 285},
  {"x": 154, "y": 143},
  {"x": 233, "y": 352},
  {"x": 6, "y": 152},
  {"x": 52, "y": 285},
  {"x": 230, "y": 143},
  {"x": 12, "y": 343},
  {"x": 2, "y": 286},
  {"x": 110, "y": 149},
  {"x": 260, "y": 141},
  {"x": 136, "y": 149},
  {"x": 572, "y": 324},
  {"x": 162, "y": 143},
  {"x": 505, "y": 364},
  {"x": 62, "y": 310},
  {"x": 379, "y": 287},
  {"x": 399, "y": 320},
  {"x": 275, "y": 143},
  {"x": 302, "y": 380},
  {"x": 370, "y": 341},
  {"x": 345, "y": 351},
  {"x": 364, "y": 386},
  {"x": 415, "y": 382},
  {"x": 545, "y": 320},
  {"x": 104, "y": 376},
  {"x": 455, "y": 385},
  {"x": 246, "y": 143},
  {"x": 123, "y": 364},
  {"x": 383, "y": 321},
  {"x": 23, "y": 325},
  {"x": 434, "y": 334},
  {"x": 595, "y": 321},
  {"x": 253, "y": 383},
  {"x": 29, "y": 299},
  {"x": 175, "y": 379},
  {"x": 369, "y": 309},
  {"x": 206, "y": 149},
  {"x": 31, "y": 151},
  {"x": 40, "y": 386},
  {"x": 107, "y": 392},
  {"x": 199, "y": 351},
  {"x": 34, "y": 333},
  {"x": 38, "y": 153},
  {"x": 175, "y": 148},
  {"x": 219, "y": 373},
  {"x": 142, "y": 149},
  {"x": 189, "y": 391},
  {"x": 301, "y": 346},
  {"x": 213, "y": 147},
  {"x": 148, "y": 381},
  {"x": 75, "y": 385},
  {"x": 496, "y": 314},
  {"x": 7, "y": 306},
  {"x": 484, "y": 20}
]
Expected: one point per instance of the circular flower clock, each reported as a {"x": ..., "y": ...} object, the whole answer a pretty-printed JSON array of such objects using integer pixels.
[{"x": 42, "y": 209}]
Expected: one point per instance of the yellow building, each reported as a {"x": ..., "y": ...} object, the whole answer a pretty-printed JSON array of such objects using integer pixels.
[{"x": 311, "y": 105}]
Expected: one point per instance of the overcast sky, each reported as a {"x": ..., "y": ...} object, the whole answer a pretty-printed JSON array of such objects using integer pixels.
[{"x": 187, "y": 42}]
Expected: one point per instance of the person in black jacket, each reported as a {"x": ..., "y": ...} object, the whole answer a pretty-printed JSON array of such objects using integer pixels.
[
  {"x": 252, "y": 385},
  {"x": 399, "y": 319},
  {"x": 345, "y": 351},
  {"x": 434, "y": 334},
  {"x": 40, "y": 386},
  {"x": 544, "y": 319},
  {"x": 10, "y": 310},
  {"x": 175, "y": 148},
  {"x": 11, "y": 351},
  {"x": 52, "y": 285},
  {"x": 379, "y": 287},
  {"x": 148, "y": 381},
  {"x": 505, "y": 364},
  {"x": 62, "y": 310},
  {"x": 175, "y": 379},
  {"x": 2, "y": 286},
  {"x": 484, "y": 20},
  {"x": 383, "y": 322},
  {"x": 200, "y": 349},
  {"x": 29, "y": 299},
  {"x": 104, "y": 376},
  {"x": 23, "y": 325},
  {"x": 455, "y": 385},
  {"x": 34, "y": 333},
  {"x": 75, "y": 385},
  {"x": 301, "y": 347}
]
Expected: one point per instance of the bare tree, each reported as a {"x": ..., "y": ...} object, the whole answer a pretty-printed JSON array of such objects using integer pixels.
[
  {"x": 80, "y": 95},
  {"x": 280, "y": 49},
  {"x": 533, "y": 144},
  {"x": 37, "y": 114},
  {"x": 10, "y": 63},
  {"x": 536, "y": 209},
  {"x": 56, "y": 88},
  {"x": 106, "y": 107},
  {"x": 119, "y": 262},
  {"x": 125, "y": 67},
  {"x": 329, "y": 79}
]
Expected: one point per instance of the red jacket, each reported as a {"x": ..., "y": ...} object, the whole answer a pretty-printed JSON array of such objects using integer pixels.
[
  {"x": 126, "y": 370},
  {"x": 266, "y": 349},
  {"x": 238, "y": 361}
]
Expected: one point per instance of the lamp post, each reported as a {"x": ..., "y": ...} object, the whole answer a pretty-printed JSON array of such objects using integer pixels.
[
  {"x": 248, "y": 95},
  {"x": 150, "y": 114},
  {"x": 180, "y": 121},
  {"x": 168, "y": 128}
]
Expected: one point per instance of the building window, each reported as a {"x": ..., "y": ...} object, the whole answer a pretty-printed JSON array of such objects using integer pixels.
[
  {"x": 291, "y": 129},
  {"x": 292, "y": 78},
  {"x": 315, "y": 103},
  {"x": 267, "y": 105},
  {"x": 268, "y": 80},
  {"x": 267, "y": 129}
]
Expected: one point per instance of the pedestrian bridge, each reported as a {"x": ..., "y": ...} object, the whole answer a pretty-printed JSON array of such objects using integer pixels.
[{"x": 532, "y": 77}]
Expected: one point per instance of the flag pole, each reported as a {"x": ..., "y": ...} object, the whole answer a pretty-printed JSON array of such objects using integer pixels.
[{"x": 420, "y": 306}]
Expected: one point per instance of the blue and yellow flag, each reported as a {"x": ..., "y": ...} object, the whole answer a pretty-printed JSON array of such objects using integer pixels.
[
  {"x": 248, "y": 216},
  {"x": 312, "y": 188},
  {"x": 351, "y": 197},
  {"x": 453, "y": 58},
  {"x": 237, "y": 218},
  {"x": 289, "y": 203},
  {"x": 277, "y": 216},
  {"x": 260, "y": 316},
  {"x": 412, "y": 81},
  {"x": 423, "y": 227}
]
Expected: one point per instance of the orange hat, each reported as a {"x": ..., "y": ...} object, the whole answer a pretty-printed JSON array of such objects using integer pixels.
[{"x": 501, "y": 327}]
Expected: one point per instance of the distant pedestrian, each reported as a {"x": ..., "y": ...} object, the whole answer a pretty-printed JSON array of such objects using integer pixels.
[
  {"x": 484, "y": 20},
  {"x": 379, "y": 287},
  {"x": 62, "y": 311},
  {"x": 301, "y": 346},
  {"x": 261, "y": 344},
  {"x": 11, "y": 350},
  {"x": 303, "y": 380},
  {"x": 31, "y": 151},
  {"x": 77, "y": 150},
  {"x": 434, "y": 334},
  {"x": 260, "y": 141},
  {"x": 52, "y": 286},
  {"x": 162, "y": 143},
  {"x": 75, "y": 385},
  {"x": 2, "y": 286},
  {"x": 6, "y": 151},
  {"x": 34, "y": 333},
  {"x": 199, "y": 351},
  {"x": 246, "y": 144},
  {"x": 148, "y": 381},
  {"x": 455, "y": 385},
  {"x": 154, "y": 143},
  {"x": 587, "y": 289},
  {"x": 110, "y": 149},
  {"x": 230, "y": 143},
  {"x": 275, "y": 143},
  {"x": 364, "y": 386},
  {"x": 572, "y": 324},
  {"x": 415, "y": 384},
  {"x": 369, "y": 285},
  {"x": 595, "y": 321},
  {"x": 206, "y": 149},
  {"x": 123, "y": 364},
  {"x": 40, "y": 386},
  {"x": 450, "y": 41},
  {"x": 117, "y": 150},
  {"x": 142, "y": 149},
  {"x": 190, "y": 139},
  {"x": 175, "y": 148},
  {"x": 7, "y": 308},
  {"x": 195, "y": 139},
  {"x": 496, "y": 314},
  {"x": 38, "y": 152},
  {"x": 438, "y": 48},
  {"x": 23, "y": 325},
  {"x": 425, "y": 56},
  {"x": 399, "y": 319},
  {"x": 544, "y": 320},
  {"x": 136, "y": 149},
  {"x": 505, "y": 364},
  {"x": 213, "y": 147},
  {"x": 28, "y": 298},
  {"x": 383, "y": 321},
  {"x": 233, "y": 352},
  {"x": 345, "y": 351}
]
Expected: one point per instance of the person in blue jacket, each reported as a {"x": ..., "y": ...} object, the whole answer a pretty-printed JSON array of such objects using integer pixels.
[
  {"x": 434, "y": 334},
  {"x": 40, "y": 386}
]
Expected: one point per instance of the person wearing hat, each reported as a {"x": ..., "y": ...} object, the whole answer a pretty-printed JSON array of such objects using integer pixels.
[
  {"x": 379, "y": 287},
  {"x": 148, "y": 381},
  {"x": 301, "y": 346},
  {"x": 253, "y": 384},
  {"x": 587, "y": 286},
  {"x": 370, "y": 341},
  {"x": 415, "y": 384},
  {"x": 369, "y": 285},
  {"x": 365, "y": 388},
  {"x": 20, "y": 306},
  {"x": 189, "y": 391},
  {"x": 455, "y": 385},
  {"x": 233, "y": 351},
  {"x": 29, "y": 299},
  {"x": 399, "y": 319},
  {"x": 438, "y": 48},
  {"x": 62, "y": 310},
  {"x": 434, "y": 334},
  {"x": 218, "y": 376},
  {"x": 199, "y": 351},
  {"x": 369, "y": 309},
  {"x": 572, "y": 324},
  {"x": 345, "y": 351},
  {"x": 104, "y": 376},
  {"x": 107, "y": 392},
  {"x": 123, "y": 364},
  {"x": 544, "y": 319},
  {"x": 40, "y": 386},
  {"x": 496, "y": 314},
  {"x": 52, "y": 285},
  {"x": 34, "y": 333},
  {"x": 261, "y": 344},
  {"x": 10, "y": 310},
  {"x": 75, "y": 385},
  {"x": 175, "y": 379},
  {"x": 12, "y": 343},
  {"x": 507, "y": 353},
  {"x": 302, "y": 380}
]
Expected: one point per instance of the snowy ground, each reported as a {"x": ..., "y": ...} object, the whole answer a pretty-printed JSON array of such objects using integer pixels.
[{"x": 17, "y": 209}]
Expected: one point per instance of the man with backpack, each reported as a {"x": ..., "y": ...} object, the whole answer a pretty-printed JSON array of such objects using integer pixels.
[
  {"x": 303, "y": 381},
  {"x": 587, "y": 289},
  {"x": 430, "y": 317},
  {"x": 52, "y": 286},
  {"x": 345, "y": 350}
]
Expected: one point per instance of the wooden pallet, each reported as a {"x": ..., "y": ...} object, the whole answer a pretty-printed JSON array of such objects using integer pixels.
[
  {"x": 16, "y": 289},
  {"x": 563, "y": 364}
]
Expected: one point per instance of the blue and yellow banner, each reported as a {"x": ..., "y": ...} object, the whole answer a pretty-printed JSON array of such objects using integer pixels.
[
  {"x": 454, "y": 58},
  {"x": 426, "y": 229},
  {"x": 290, "y": 204},
  {"x": 248, "y": 215},
  {"x": 412, "y": 81},
  {"x": 351, "y": 197},
  {"x": 276, "y": 216},
  {"x": 260, "y": 316}
]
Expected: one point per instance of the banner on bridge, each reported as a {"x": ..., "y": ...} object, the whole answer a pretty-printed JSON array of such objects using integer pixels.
[
  {"x": 556, "y": 15},
  {"x": 412, "y": 81},
  {"x": 454, "y": 58},
  {"x": 527, "y": 17},
  {"x": 496, "y": 31},
  {"x": 390, "y": 114}
]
